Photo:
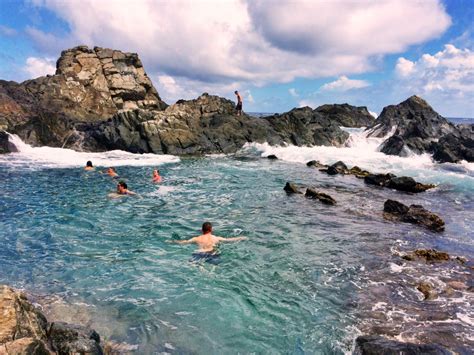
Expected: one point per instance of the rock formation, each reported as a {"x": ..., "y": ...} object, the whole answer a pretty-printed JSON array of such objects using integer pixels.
[
  {"x": 376, "y": 345},
  {"x": 418, "y": 128},
  {"x": 347, "y": 115},
  {"x": 25, "y": 330},
  {"x": 414, "y": 214}
]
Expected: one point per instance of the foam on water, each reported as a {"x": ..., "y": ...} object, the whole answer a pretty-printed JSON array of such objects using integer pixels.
[
  {"x": 49, "y": 157},
  {"x": 363, "y": 151}
]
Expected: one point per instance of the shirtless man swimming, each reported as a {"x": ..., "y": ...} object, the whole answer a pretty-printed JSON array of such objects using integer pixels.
[{"x": 207, "y": 244}]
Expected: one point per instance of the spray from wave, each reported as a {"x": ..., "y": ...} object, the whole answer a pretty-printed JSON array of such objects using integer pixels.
[{"x": 49, "y": 157}]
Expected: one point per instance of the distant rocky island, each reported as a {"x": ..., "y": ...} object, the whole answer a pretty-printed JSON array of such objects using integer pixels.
[{"x": 102, "y": 99}]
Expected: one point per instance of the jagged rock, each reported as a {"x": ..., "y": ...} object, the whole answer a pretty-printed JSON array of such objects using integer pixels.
[
  {"x": 427, "y": 290},
  {"x": 337, "y": 168},
  {"x": 272, "y": 157},
  {"x": 347, "y": 115},
  {"x": 414, "y": 214},
  {"x": 378, "y": 179},
  {"x": 402, "y": 183},
  {"x": 19, "y": 318},
  {"x": 429, "y": 255},
  {"x": 377, "y": 345},
  {"x": 321, "y": 196},
  {"x": 457, "y": 285},
  {"x": 394, "y": 146},
  {"x": 24, "y": 346},
  {"x": 292, "y": 188},
  {"x": 71, "y": 339},
  {"x": 358, "y": 172},
  {"x": 316, "y": 164},
  {"x": 421, "y": 129},
  {"x": 5, "y": 145},
  {"x": 408, "y": 184}
]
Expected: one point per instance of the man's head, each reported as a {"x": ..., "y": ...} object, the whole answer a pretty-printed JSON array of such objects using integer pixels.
[
  {"x": 111, "y": 170},
  {"x": 236, "y": 92},
  {"x": 89, "y": 164},
  {"x": 122, "y": 187},
  {"x": 206, "y": 227}
]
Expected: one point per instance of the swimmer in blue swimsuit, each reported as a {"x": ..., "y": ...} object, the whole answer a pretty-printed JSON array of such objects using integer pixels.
[{"x": 207, "y": 245}]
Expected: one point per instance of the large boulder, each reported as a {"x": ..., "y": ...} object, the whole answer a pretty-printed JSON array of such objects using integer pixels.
[
  {"x": 74, "y": 339},
  {"x": 90, "y": 85},
  {"x": 347, "y": 115},
  {"x": 416, "y": 126},
  {"x": 5, "y": 145}
]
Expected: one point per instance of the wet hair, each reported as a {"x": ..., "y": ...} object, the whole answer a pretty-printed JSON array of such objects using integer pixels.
[
  {"x": 89, "y": 163},
  {"x": 206, "y": 227},
  {"x": 113, "y": 169},
  {"x": 123, "y": 184},
  {"x": 235, "y": 92}
]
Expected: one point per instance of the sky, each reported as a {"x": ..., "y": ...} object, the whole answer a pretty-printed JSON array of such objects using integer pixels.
[{"x": 279, "y": 54}]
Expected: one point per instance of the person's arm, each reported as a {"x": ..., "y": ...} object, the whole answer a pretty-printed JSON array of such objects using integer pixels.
[
  {"x": 233, "y": 239},
  {"x": 189, "y": 241}
]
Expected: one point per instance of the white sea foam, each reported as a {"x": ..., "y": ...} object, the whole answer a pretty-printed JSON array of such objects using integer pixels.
[
  {"x": 49, "y": 157},
  {"x": 363, "y": 151}
]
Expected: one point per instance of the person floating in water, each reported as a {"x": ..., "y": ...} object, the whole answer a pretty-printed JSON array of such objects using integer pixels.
[
  {"x": 207, "y": 244},
  {"x": 122, "y": 189},
  {"x": 112, "y": 172},
  {"x": 156, "y": 176},
  {"x": 89, "y": 166},
  {"x": 238, "y": 107}
]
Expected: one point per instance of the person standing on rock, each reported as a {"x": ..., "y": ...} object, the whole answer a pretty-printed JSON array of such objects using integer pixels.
[{"x": 238, "y": 107}]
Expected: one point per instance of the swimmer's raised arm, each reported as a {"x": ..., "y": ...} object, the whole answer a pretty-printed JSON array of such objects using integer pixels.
[{"x": 189, "y": 241}]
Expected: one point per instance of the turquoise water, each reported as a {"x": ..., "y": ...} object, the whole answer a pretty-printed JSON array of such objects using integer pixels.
[{"x": 297, "y": 285}]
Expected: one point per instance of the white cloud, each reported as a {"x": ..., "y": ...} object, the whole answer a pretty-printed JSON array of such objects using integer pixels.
[
  {"x": 256, "y": 42},
  {"x": 404, "y": 67},
  {"x": 344, "y": 84},
  {"x": 450, "y": 71},
  {"x": 36, "y": 67},
  {"x": 293, "y": 92}
]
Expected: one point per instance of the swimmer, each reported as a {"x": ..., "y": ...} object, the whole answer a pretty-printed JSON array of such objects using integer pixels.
[
  {"x": 208, "y": 242},
  {"x": 156, "y": 176},
  {"x": 89, "y": 166},
  {"x": 112, "y": 173},
  {"x": 122, "y": 189}
]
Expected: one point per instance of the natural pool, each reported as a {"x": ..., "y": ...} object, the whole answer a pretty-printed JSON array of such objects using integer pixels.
[{"x": 307, "y": 280}]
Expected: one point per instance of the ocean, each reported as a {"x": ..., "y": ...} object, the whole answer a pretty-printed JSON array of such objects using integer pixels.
[{"x": 309, "y": 279}]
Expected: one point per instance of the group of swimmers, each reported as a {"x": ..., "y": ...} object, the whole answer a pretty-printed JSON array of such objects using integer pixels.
[
  {"x": 207, "y": 242},
  {"x": 122, "y": 188}
]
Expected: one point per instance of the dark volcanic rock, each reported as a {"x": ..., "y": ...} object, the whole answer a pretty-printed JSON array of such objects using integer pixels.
[
  {"x": 429, "y": 255},
  {"x": 408, "y": 184},
  {"x": 377, "y": 345},
  {"x": 5, "y": 145},
  {"x": 394, "y": 146},
  {"x": 402, "y": 183},
  {"x": 414, "y": 214},
  {"x": 419, "y": 128},
  {"x": 74, "y": 339},
  {"x": 337, "y": 168},
  {"x": 292, "y": 188},
  {"x": 316, "y": 164},
  {"x": 321, "y": 196},
  {"x": 347, "y": 115},
  {"x": 272, "y": 157}
]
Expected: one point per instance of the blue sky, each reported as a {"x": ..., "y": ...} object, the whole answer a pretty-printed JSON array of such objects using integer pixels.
[{"x": 280, "y": 55}]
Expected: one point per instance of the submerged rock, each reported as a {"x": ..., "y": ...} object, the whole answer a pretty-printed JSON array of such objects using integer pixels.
[
  {"x": 415, "y": 214},
  {"x": 321, "y": 196},
  {"x": 427, "y": 290},
  {"x": 337, "y": 168},
  {"x": 316, "y": 164},
  {"x": 292, "y": 188},
  {"x": 272, "y": 157},
  {"x": 378, "y": 179},
  {"x": 72, "y": 339},
  {"x": 377, "y": 345},
  {"x": 429, "y": 255}
]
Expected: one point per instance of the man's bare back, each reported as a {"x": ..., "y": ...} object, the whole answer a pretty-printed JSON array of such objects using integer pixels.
[{"x": 207, "y": 242}]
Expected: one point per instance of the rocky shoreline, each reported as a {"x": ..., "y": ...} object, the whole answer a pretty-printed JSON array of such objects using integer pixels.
[{"x": 102, "y": 99}]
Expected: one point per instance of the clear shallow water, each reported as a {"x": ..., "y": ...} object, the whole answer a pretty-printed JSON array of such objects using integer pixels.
[{"x": 306, "y": 281}]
